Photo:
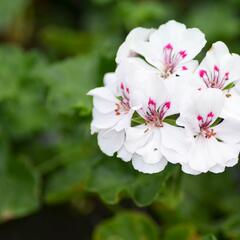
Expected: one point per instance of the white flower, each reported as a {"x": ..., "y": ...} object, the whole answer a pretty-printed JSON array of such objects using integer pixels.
[
  {"x": 210, "y": 148},
  {"x": 155, "y": 142},
  {"x": 158, "y": 79},
  {"x": 112, "y": 110},
  {"x": 218, "y": 69},
  {"x": 169, "y": 49}
]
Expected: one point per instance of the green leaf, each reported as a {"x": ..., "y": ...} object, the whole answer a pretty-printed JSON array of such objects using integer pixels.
[
  {"x": 231, "y": 226},
  {"x": 208, "y": 17},
  {"x": 209, "y": 237},
  {"x": 141, "y": 13},
  {"x": 77, "y": 164},
  {"x": 69, "y": 81},
  {"x": 22, "y": 98},
  {"x": 84, "y": 168},
  {"x": 10, "y": 10},
  {"x": 182, "y": 231},
  {"x": 127, "y": 226},
  {"x": 64, "y": 41},
  {"x": 13, "y": 67},
  {"x": 120, "y": 178},
  {"x": 19, "y": 188}
]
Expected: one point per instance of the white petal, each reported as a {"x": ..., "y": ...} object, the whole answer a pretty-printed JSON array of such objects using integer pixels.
[
  {"x": 104, "y": 106},
  {"x": 217, "y": 169},
  {"x": 228, "y": 131},
  {"x": 199, "y": 157},
  {"x": 151, "y": 152},
  {"x": 232, "y": 162},
  {"x": 219, "y": 50},
  {"x": 187, "y": 169},
  {"x": 230, "y": 64},
  {"x": 110, "y": 141},
  {"x": 144, "y": 167},
  {"x": 124, "y": 154},
  {"x": 192, "y": 41},
  {"x": 175, "y": 143},
  {"x": 102, "y": 92},
  {"x": 110, "y": 81},
  {"x": 231, "y": 107},
  {"x": 136, "y": 137},
  {"x": 104, "y": 120},
  {"x": 124, "y": 121},
  {"x": 135, "y": 37},
  {"x": 201, "y": 103}
]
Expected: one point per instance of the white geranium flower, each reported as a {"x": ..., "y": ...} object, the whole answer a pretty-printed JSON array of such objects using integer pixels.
[
  {"x": 169, "y": 49},
  {"x": 210, "y": 148},
  {"x": 112, "y": 110},
  {"x": 156, "y": 142},
  {"x": 218, "y": 69}
]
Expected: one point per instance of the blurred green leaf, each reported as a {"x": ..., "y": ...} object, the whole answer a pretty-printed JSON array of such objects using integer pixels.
[
  {"x": 231, "y": 226},
  {"x": 13, "y": 67},
  {"x": 183, "y": 232},
  {"x": 142, "y": 13},
  {"x": 208, "y": 17},
  {"x": 120, "y": 178},
  {"x": 69, "y": 81},
  {"x": 127, "y": 226},
  {"x": 209, "y": 237},
  {"x": 9, "y": 10},
  {"x": 71, "y": 178},
  {"x": 64, "y": 41},
  {"x": 19, "y": 188}
]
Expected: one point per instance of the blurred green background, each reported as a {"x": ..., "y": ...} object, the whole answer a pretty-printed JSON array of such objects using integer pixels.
[{"x": 54, "y": 181}]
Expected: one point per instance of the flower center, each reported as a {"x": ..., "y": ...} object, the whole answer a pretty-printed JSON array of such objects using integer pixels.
[
  {"x": 171, "y": 60},
  {"x": 204, "y": 125},
  {"x": 154, "y": 115},
  {"x": 123, "y": 106},
  {"x": 214, "y": 79}
]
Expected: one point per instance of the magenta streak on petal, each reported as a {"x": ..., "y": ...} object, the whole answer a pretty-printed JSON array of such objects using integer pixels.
[
  {"x": 204, "y": 125},
  {"x": 214, "y": 79},
  {"x": 153, "y": 114},
  {"x": 172, "y": 59},
  {"x": 123, "y": 106}
]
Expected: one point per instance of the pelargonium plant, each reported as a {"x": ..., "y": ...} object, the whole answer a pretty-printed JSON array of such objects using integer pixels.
[{"x": 161, "y": 105}]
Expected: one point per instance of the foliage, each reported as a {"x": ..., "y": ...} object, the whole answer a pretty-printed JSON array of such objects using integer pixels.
[{"x": 47, "y": 155}]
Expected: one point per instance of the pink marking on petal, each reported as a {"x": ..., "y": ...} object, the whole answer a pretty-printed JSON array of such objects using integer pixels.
[
  {"x": 169, "y": 46},
  {"x": 122, "y": 86},
  {"x": 226, "y": 75},
  {"x": 216, "y": 68},
  {"x": 202, "y": 73},
  {"x": 199, "y": 118},
  {"x": 127, "y": 89},
  {"x": 184, "y": 68},
  {"x": 183, "y": 53},
  {"x": 151, "y": 102},
  {"x": 211, "y": 115},
  {"x": 168, "y": 105}
]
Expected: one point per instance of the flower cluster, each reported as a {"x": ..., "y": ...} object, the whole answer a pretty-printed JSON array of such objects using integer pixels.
[{"x": 161, "y": 105}]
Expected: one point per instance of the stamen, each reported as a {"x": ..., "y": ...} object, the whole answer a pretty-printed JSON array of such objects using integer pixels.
[
  {"x": 204, "y": 125},
  {"x": 123, "y": 106},
  {"x": 172, "y": 59},
  {"x": 214, "y": 79},
  {"x": 155, "y": 115}
]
